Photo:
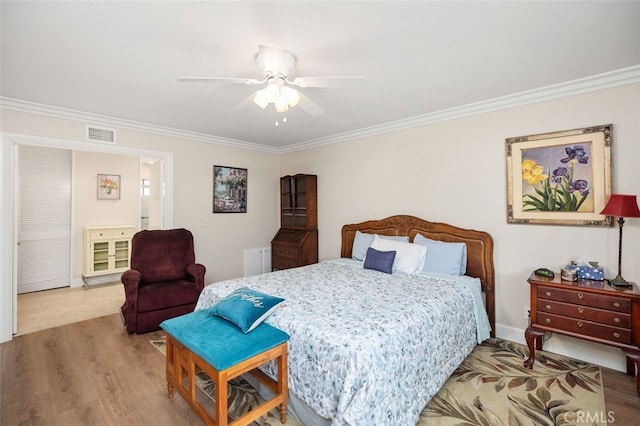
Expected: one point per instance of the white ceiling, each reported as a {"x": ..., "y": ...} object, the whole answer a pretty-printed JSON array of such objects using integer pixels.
[{"x": 120, "y": 59}]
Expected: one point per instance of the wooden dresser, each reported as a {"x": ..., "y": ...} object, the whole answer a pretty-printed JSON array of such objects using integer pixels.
[
  {"x": 296, "y": 243},
  {"x": 586, "y": 309}
]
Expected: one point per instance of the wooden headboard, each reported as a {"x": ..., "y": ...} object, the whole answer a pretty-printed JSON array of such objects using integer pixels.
[{"x": 479, "y": 247}]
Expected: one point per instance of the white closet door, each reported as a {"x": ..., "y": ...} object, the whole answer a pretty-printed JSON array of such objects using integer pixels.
[{"x": 44, "y": 229}]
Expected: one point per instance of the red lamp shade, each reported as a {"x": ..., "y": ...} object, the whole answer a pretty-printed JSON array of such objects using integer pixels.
[{"x": 621, "y": 205}]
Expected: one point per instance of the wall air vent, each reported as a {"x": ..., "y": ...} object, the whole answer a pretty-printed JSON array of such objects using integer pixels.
[{"x": 97, "y": 134}]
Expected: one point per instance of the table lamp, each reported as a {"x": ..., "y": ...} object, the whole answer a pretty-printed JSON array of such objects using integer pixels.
[{"x": 621, "y": 206}]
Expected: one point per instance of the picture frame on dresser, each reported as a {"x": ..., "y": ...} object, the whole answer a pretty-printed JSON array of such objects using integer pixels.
[{"x": 560, "y": 178}]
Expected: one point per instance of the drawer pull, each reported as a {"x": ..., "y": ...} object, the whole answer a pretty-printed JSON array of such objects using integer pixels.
[
  {"x": 547, "y": 320},
  {"x": 616, "y": 335},
  {"x": 580, "y": 310},
  {"x": 548, "y": 293},
  {"x": 580, "y": 295},
  {"x": 616, "y": 320},
  {"x": 580, "y": 324},
  {"x": 547, "y": 307},
  {"x": 616, "y": 304}
]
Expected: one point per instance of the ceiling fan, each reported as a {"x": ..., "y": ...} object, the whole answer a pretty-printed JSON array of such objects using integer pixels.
[{"x": 276, "y": 65}]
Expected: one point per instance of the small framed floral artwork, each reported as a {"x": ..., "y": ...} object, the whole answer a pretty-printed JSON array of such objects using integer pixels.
[
  {"x": 108, "y": 187},
  {"x": 560, "y": 178},
  {"x": 229, "y": 189}
]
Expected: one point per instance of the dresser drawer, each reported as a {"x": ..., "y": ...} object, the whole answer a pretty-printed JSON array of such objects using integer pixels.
[
  {"x": 283, "y": 263},
  {"x": 285, "y": 251},
  {"x": 97, "y": 234},
  {"x": 586, "y": 328},
  {"x": 581, "y": 312},
  {"x": 618, "y": 304}
]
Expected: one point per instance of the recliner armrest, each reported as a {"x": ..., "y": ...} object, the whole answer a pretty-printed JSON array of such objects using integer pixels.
[
  {"x": 131, "y": 278},
  {"x": 131, "y": 281},
  {"x": 197, "y": 271}
]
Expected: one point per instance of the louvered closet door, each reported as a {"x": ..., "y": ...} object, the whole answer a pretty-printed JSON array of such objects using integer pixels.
[{"x": 44, "y": 229}]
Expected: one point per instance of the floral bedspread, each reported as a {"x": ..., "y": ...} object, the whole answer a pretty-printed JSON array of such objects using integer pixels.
[{"x": 366, "y": 348}]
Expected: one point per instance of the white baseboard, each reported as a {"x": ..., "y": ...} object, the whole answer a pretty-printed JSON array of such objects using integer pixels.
[{"x": 595, "y": 353}]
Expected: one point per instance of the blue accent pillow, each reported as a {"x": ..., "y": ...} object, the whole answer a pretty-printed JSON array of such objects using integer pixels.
[
  {"x": 246, "y": 308},
  {"x": 362, "y": 241},
  {"x": 448, "y": 258},
  {"x": 379, "y": 260}
]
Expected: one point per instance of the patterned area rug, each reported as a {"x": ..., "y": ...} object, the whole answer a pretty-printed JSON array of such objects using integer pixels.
[{"x": 491, "y": 387}]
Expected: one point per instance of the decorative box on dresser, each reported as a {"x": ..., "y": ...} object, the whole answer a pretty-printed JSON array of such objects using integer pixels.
[
  {"x": 296, "y": 243},
  {"x": 585, "y": 309}
]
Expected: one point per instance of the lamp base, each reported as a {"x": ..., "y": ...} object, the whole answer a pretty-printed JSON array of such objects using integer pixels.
[{"x": 620, "y": 282}]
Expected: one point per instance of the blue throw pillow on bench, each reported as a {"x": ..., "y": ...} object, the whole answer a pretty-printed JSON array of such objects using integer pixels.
[
  {"x": 246, "y": 308},
  {"x": 379, "y": 260}
]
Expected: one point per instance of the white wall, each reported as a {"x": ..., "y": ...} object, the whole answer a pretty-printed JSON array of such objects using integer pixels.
[
  {"x": 89, "y": 211},
  {"x": 454, "y": 172},
  {"x": 220, "y": 239}
]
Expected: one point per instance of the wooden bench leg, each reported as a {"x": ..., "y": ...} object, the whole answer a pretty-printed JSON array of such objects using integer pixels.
[
  {"x": 283, "y": 384},
  {"x": 221, "y": 398}
]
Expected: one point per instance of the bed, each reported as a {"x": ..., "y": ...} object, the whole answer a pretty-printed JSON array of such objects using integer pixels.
[{"x": 373, "y": 348}]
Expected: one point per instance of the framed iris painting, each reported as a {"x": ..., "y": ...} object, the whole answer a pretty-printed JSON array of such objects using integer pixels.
[
  {"x": 560, "y": 178},
  {"x": 229, "y": 189}
]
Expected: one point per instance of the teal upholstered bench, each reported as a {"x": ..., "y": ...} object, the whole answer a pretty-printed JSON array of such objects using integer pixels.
[{"x": 202, "y": 341}]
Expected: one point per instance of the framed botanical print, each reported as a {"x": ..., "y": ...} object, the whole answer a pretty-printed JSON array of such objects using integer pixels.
[
  {"x": 108, "y": 187},
  {"x": 560, "y": 178}
]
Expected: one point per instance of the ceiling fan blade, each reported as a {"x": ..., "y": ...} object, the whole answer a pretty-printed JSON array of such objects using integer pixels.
[
  {"x": 330, "y": 81},
  {"x": 236, "y": 80},
  {"x": 309, "y": 106},
  {"x": 248, "y": 100}
]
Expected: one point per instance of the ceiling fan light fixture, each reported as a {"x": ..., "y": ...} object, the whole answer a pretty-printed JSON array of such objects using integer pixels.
[
  {"x": 272, "y": 92},
  {"x": 291, "y": 96},
  {"x": 281, "y": 105},
  {"x": 260, "y": 99}
]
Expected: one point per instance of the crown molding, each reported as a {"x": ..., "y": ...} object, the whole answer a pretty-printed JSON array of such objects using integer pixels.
[
  {"x": 620, "y": 77},
  {"x": 608, "y": 80},
  {"x": 102, "y": 120}
]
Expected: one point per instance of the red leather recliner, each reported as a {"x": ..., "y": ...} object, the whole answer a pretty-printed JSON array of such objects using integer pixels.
[{"x": 164, "y": 281}]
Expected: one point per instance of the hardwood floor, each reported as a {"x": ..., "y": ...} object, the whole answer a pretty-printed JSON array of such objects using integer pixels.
[
  {"x": 89, "y": 372},
  {"x": 93, "y": 372}
]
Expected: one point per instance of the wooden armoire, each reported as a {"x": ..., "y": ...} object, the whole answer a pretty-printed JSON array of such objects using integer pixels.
[{"x": 296, "y": 243}]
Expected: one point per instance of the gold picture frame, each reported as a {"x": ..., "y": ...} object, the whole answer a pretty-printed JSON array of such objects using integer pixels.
[{"x": 560, "y": 178}]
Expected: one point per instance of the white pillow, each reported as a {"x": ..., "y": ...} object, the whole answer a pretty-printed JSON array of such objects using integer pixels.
[
  {"x": 362, "y": 241},
  {"x": 409, "y": 257}
]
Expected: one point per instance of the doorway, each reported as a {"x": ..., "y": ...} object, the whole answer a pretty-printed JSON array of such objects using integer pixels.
[
  {"x": 9, "y": 217},
  {"x": 151, "y": 193}
]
